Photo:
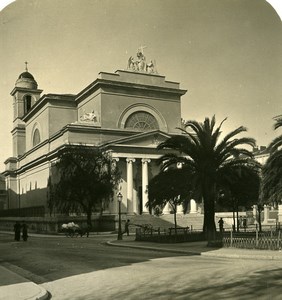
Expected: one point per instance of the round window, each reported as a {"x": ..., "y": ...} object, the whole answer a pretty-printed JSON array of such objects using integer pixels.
[{"x": 142, "y": 121}]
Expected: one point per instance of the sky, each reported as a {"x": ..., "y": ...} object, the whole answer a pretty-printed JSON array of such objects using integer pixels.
[{"x": 226, "y": 53}]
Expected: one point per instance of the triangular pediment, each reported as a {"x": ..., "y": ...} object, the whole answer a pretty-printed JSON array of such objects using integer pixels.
[{"x": 145, "y": 139}]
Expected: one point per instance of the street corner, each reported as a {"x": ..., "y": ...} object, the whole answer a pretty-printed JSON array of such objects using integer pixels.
[{"x": 14, "y": 286}]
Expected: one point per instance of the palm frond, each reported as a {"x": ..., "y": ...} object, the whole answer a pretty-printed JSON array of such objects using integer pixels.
[
  {"x": 278, "y": 123},
  {"x": 179, "y": 143},
  {"x": 275, "y": 144}
]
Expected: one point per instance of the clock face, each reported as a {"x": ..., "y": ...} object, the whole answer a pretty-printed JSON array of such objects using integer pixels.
[{"x": 141, "y": 121}]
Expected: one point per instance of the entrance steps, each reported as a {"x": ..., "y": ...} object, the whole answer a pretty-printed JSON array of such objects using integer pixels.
[{"x": 194, "y": 221}]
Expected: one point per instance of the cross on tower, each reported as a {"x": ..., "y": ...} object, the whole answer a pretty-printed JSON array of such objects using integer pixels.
[
  {"x": 141, "y": 49},
  {"x": 26, "y": 65}
]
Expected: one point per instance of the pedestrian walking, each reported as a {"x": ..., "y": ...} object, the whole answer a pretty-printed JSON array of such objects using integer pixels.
[
  {"x": 241, "y": 222},
  {"x": 25, "y": 235},
  {"x": 126, "y": 228},
  {"x": 17, "y": 230},
  {"x": 221, "y": 222},
  {"x": 245, "y": 223}
]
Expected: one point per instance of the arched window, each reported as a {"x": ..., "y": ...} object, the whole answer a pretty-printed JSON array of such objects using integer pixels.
[
  {"x": 142, "y": 121},
  {"x": 27, "y": 103},
  {"x": 36, "y": 137}
]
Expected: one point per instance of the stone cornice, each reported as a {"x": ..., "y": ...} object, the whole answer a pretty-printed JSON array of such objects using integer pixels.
[
  {"x": 25, "y": 90},
  {"x": 18, "y": 128},
  {"x": 10, "y": 159},
  {"x": 64, "y": 100},
  {"x": 67, "y": 128},
  {"x": 100, "y": 83}
]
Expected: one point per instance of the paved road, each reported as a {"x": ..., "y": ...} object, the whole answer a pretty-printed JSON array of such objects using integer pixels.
[
  {"x": 175, "y": 278},
  {"x": 88, "y": 269},
  {"x": 47, "y": 259}
]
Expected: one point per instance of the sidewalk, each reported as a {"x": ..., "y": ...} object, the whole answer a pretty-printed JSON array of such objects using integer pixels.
[
  {"x": 198, "y": 248},
  {"x": 15, "y": 287}
]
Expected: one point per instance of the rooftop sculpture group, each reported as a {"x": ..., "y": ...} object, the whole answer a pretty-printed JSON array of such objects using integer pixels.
[{"x": 140, "y": 64}]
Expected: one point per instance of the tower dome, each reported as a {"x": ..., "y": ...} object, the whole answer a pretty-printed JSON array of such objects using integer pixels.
[
  {"x": 26, "y": 75},
  {"x": 26, "y": 80}
]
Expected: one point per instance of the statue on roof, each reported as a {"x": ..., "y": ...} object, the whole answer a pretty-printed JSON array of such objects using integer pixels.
[{"x": 140, "y": 64}]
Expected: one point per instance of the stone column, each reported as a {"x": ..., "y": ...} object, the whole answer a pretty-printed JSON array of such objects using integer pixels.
[
  {"x": 193, "y": 207},
  {"x": 280, "y": 214},
  {"x": 179, "y": 209},
  {"x": 145, "y": 181},
  {"x": 115, "y": 204},
  {"x": 129, "y": 176},
  {"x": 166, "y": 209},
  {"x": 266, "y": 214},
  {"x": 255, "y": 212}
]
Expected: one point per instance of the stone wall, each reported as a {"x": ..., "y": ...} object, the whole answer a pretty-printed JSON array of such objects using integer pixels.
[{"x": 54, "y": 225}]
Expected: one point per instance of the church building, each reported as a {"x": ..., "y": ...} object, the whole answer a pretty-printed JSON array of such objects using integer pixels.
[{"x": 128, "y": 113}]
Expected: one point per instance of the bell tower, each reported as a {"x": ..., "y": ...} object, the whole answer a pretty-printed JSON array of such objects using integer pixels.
[{"x": 25, "y": 94}]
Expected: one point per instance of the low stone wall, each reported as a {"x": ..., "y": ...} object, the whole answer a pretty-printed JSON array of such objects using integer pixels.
[{"x": 53, "y": 225}]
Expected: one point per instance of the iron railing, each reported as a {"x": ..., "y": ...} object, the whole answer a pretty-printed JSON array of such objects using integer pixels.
[{"x": 268, "y": 239}]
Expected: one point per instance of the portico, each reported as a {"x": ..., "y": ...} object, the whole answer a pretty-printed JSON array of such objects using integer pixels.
[{"x": 138, "y": 167}]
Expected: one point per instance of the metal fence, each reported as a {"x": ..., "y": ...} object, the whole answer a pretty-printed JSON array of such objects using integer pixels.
[
  {"x": 270, "y": 239},
  {"x": 167, "y": 235}
]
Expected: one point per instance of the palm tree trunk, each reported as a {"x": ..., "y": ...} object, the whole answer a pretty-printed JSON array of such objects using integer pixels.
[{"x": 209, "y": 213}]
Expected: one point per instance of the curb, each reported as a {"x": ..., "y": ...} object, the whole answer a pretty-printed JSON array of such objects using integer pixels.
[
  {"x": 207, "y": 254},
  {"x": 109, "y": 243},
  {"x": 243, "y": 256},
  {"x": 29, "y": 290},
  {"x": 43, "y": 295}
]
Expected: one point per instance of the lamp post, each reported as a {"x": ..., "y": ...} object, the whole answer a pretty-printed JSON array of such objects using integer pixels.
[{"x": 119, "y": 197}]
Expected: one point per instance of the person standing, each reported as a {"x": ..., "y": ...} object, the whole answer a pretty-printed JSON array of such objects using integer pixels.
[
  {"x": 25, "y": 235},
  {"x": 126, "y": 228},
  {"x": 245, "y": 224},
  {"x": 221, "y": 222},
  {"x": 17, "y": 230}
]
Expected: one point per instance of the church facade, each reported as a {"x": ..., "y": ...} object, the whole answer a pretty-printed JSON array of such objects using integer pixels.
[{"x": 127, "y": 113}]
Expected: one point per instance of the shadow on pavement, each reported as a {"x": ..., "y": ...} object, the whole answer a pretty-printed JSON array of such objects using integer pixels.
[
  {"x": 260, "y": 285},
  {"x": 42, "y": 259}
]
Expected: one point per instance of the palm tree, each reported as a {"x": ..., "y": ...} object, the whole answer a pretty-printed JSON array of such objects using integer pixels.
[
  {"x": 272, "y": 170},
  {"x": 207, "y": 158}
]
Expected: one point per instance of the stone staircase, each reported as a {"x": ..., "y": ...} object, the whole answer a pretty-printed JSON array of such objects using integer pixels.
[{"x": 194, "y": 221}]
